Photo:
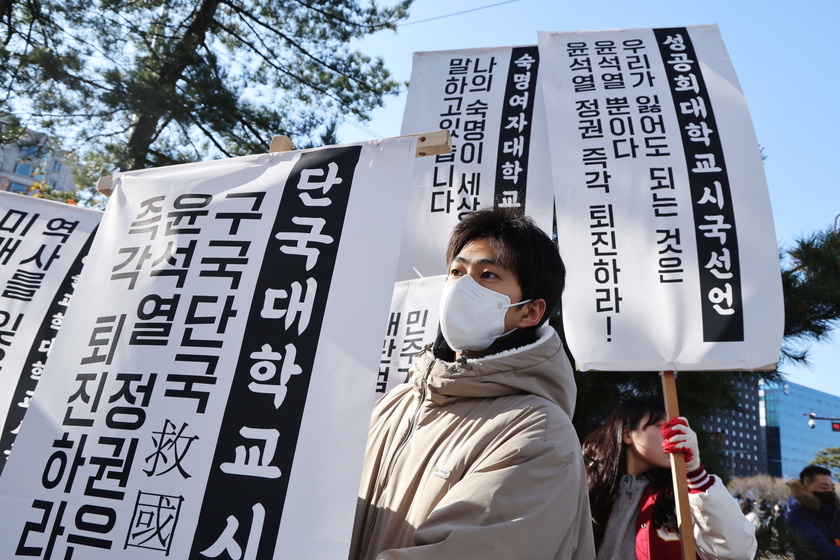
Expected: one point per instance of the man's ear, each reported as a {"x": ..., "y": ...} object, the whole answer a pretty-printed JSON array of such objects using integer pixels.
[{"x": 532, "y": 313}]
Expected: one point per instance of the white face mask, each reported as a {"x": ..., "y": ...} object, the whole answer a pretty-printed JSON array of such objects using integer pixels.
[{"x": 472, "y": 316}]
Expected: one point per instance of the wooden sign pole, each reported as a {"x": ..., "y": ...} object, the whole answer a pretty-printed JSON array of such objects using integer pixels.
[{"x": 678, "y": 472}]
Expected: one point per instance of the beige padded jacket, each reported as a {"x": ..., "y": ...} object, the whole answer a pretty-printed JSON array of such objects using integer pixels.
[{"x": 477, "y": 460}]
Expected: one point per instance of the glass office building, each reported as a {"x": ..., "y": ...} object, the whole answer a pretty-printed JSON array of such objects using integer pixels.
[
  {"x": 790, "y": 444},
  {"x": 738, "y": 433}
]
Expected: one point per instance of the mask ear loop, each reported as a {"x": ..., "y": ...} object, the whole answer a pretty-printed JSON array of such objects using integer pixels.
[
  {"x": 507, "y": 307},
  {"x": 520, "y": 303}
]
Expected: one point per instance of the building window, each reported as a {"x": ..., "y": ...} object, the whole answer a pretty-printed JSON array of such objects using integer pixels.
[
  {"x": 23, "y": 169},
  {"x": 30, "y": 151}
]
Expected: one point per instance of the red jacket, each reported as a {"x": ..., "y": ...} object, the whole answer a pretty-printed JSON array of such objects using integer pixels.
[
  {"x": 727, "y": 533},
  {"x": 649, "y": 539}
]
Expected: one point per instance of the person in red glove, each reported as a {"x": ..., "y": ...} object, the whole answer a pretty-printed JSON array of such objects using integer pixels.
[{"x": 631, "y": 491}]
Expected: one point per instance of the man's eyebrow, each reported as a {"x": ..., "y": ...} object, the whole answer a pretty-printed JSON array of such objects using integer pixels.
[{"x": 487, "y": 260}]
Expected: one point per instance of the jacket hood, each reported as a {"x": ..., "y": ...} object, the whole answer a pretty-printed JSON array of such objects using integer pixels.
[
  {"x": 804, "y": 498},
  {"x": 540, "y": 368}
]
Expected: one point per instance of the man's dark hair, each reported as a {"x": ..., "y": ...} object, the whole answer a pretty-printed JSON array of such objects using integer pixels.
[
  {"x": 810, "y": 472},
  {"x": 521, "y": 246}
]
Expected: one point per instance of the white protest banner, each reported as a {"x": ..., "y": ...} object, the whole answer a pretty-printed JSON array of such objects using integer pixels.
[
  {"x": 42, "y": 245},
  {"x": 491, "y": 102},
  {"x": 209, "y": 394},
  {"x": 663, "y": 213},
  {"x": 413, "y": 323}
]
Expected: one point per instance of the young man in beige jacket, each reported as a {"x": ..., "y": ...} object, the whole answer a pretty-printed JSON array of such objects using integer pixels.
[{"x": 476, "y": 456}]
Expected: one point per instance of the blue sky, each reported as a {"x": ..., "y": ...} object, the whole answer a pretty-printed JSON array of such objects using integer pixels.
[{"x": 784, "y": 55}]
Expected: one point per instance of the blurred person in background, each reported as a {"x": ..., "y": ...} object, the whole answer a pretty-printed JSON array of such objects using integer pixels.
[{"x": 814, "y": 514}]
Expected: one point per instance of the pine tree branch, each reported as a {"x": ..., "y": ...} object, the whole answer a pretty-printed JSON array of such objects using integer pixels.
[{"x": 298, "y": 47}]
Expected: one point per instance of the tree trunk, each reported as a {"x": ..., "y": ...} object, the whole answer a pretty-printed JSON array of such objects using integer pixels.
[{"x": 171, "y": 70}]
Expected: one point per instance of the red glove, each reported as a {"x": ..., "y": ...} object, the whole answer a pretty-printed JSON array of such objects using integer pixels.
[{"x": 677, "y": 437}]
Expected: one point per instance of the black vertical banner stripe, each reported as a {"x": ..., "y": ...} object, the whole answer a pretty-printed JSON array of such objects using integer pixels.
[
  {"x": 512, "y": 134},
  {"x": 716, "y": 327},
  {"x": 26, "y": 383},
  {"x": 236, "y": 494}
]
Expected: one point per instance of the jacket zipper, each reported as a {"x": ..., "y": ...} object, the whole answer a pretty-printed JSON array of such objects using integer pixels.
[
  {"x": 363, "y": 549},
  {"x": 408, "y": 433}
]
